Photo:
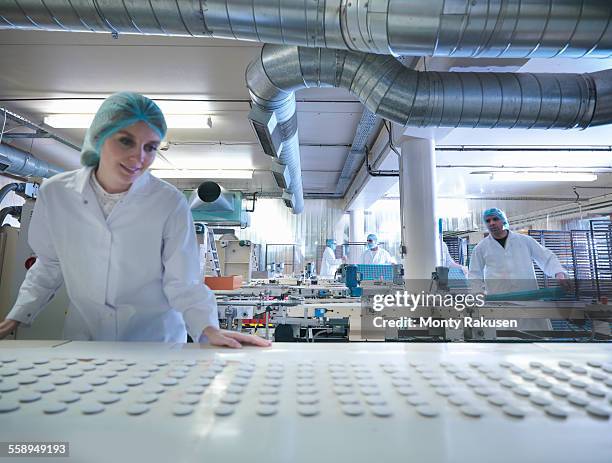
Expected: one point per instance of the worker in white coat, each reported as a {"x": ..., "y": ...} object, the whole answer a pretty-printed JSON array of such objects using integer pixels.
[
  {"x": 503, "y": 262},
  {"x": 374, "y": 254},
  {"x": 329, "y": 263},
  {"x": 121, "y": 240}
]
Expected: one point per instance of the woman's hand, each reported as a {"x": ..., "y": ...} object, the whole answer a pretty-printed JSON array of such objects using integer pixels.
[
  {"x": 217, "y": 337},
  {"x": 7, "y": 326}
]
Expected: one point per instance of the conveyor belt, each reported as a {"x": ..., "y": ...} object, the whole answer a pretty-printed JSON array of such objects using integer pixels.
[{"x": 359, "y": 402}]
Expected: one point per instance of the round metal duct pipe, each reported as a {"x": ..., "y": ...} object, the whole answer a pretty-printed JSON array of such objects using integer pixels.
[
  {"x": 417, "y": 99},
  {"x": 434, "y": 99},
  {"x": 459, "y": 28},
  {"x": 17, "y": 162},
  {"x": 212, "y": 195}
]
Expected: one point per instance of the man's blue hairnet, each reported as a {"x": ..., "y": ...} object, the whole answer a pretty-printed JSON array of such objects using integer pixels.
[
  {"x": 495, "y": 212},
  {"x": 117, "y": 112},
  {"x": 330, "y": 243},
  {"x": 372, "y": 237}
]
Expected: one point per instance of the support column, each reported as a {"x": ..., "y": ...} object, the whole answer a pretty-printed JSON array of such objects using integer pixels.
[
  {"x": 356, "y": 232},
  {"x": 418, "y": 208},
  {"x": 339, "y": 229}
]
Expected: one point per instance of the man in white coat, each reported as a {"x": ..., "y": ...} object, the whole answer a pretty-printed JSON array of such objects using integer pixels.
[
  {"x": 375, "y": 254},
  {"x": 329, "y": 263},
  {"x": 121, "y": 240},
  {"x": 503, "y": 262}
]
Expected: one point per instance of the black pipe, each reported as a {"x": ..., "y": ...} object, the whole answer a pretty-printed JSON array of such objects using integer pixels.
[
  {"x": 15, "y": 211},
  {"x": 6, "y": 189},
  {"x": 254, "y": 199},
  {"x": 378, "y": 173}
]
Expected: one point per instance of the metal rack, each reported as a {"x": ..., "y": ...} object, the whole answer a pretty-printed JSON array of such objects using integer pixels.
[
  {"x": 601, "y": 235},
  {"x": 583, "y": 262},
  {"x": 457, "y": 248},
  {"x": 585, "y": 254},
  {"x": 559, "y": 242}
]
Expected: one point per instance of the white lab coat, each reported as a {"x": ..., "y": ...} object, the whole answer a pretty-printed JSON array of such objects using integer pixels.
[
  {"x": 501, "y": 270},
  {"x": 132, "y": 277},
  {"x": 380, "y": 257},
  {"x": 329, "y": 263}
]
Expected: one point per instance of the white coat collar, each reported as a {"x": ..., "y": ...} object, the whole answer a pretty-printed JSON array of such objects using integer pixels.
[
  {"x": 508, "y": 238},
  {"x": 81, "y": 180}
]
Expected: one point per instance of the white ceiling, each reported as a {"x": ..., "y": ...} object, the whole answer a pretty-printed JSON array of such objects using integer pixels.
[{"x": 42, "y": 66}]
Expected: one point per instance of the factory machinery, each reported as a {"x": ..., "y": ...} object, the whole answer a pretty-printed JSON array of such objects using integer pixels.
[
  {"x": 307, "y": 309},
  {"x": 344, "y": 310}
]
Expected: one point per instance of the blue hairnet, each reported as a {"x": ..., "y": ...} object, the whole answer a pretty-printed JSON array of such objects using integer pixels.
[
  {"x": 117, "y": 112},
  {"x": 330, "y": 243},
  {"x": 495, "y": 212},
  {"x": 372, "y": 237}
]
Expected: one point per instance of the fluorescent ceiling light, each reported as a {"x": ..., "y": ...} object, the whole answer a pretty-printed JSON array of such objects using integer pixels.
[
  {"x": 188, "y": 121},
  {"x": 542, "y": 177},
  {"x": 69, "y": 121},
  {"x": 174, "y": 121},
  {"x": 202, "y": 173}
]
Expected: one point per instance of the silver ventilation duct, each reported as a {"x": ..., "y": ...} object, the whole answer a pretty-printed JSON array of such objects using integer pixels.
[
  {"x": 281, "y": 175},
  {"x": 16, "y": 162},
  {"x": 603, "y": 105},
  {"x": 274, "y": 120},
  {"x": 415, "y": 99},
  {"x": 459, "y": 28},
  {"x": 213, "y": 196},
  {"x": 434, "y": 99}
]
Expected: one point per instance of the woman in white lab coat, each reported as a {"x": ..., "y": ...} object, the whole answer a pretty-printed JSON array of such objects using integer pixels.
[
  {"x": 121, "y": 240},
  {"x": 329, "y": 263}
]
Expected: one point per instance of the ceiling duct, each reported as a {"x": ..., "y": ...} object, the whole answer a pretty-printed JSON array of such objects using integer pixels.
[
  {"x": 289, "y": 200},
  {"x": 17, "y": 162},
  {"x": 434, "y": 99},
  {"x": 213, "y": 197},
  {"x": 289, "y": 154},
  {"x": 282, "y": 105},
  {"x": 458, "y": 28},
  {"x": 423, "y": 99},
  {"x": 267, "y": 130},
  {"x": 281, "y": 175}
]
